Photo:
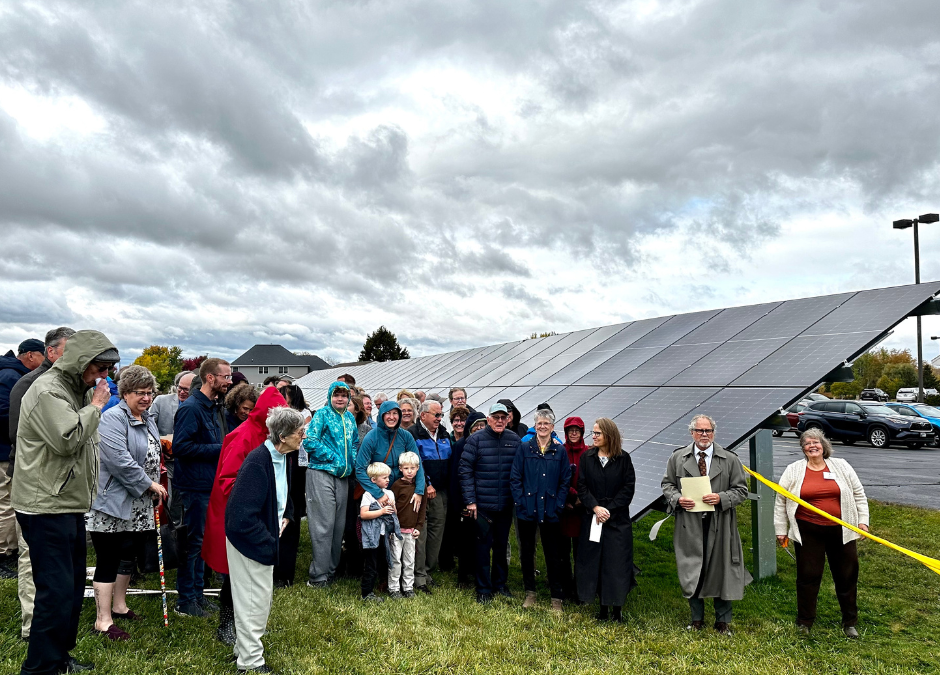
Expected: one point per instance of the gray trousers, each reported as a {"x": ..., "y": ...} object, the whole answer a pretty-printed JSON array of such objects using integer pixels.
[
  {"x": 252, "y": 591},
  {"x": 326, "y": 519},
  {"x": 428, "y": 549},
  {"x": 7, "y": 517},
  {"x": 26, "y": 589},
  {"x": 722, "y": 609}
]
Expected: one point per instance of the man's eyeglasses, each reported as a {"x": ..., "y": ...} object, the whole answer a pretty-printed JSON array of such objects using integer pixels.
[
  {"x": 183, "y": 389},
  {"x": 437, "y": 415},
  {"x": 703, "y": 432},
  {"x": 143, "y": 394},
  {"x": 500, "y": 418},
  {"x": 222, "y": 377}
]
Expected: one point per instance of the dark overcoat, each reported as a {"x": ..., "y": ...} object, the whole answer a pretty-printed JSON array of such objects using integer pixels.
[{"x": 605, "y": 568}]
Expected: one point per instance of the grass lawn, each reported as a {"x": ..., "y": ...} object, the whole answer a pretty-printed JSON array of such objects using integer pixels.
[{"x": 331, "y": 631}]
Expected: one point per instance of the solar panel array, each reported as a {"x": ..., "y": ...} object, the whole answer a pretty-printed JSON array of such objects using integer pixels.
[{"x": 739, "y": 365}]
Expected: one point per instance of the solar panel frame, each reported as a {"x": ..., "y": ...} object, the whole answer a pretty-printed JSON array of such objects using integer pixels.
[
  {"x": 537, "y": 346},
  {"x": 807, "y": 358},
  {"x": 575, "y": 351},
  {"x": 727, "y": 323},
  {"x": 549, "y": 353},
  {"x": 666, "y": 364},
  {"x": 590, "y": 361},
  {"x": 659, "y": 409},
  {"x": 608, "y": 403},
  {"x": 461, "y": 376}
]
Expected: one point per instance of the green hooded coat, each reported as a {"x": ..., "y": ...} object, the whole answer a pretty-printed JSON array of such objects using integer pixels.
[{"x": 57, "y": 438}]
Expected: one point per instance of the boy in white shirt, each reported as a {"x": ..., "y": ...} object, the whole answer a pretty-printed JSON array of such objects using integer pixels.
[{"x": 378, "y": 522}]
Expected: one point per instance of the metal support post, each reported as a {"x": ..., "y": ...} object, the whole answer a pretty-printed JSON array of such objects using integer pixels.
[{"x": 764, "y": 541}]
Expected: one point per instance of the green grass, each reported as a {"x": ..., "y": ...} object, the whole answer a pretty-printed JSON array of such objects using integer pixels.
[{"x": 331, "y": 631}]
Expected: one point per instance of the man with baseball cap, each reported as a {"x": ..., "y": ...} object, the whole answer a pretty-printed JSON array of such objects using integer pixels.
[
  {"x": 12, "y": 368},
  {"x": 484, "y": 471},
  {"x": 54, "y": 485}
]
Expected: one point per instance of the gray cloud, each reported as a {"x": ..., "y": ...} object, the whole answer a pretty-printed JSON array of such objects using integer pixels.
[{"x": 307, "y": 171}]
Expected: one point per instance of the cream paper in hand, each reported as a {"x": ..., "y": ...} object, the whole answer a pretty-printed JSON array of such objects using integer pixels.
[{"x": 696, "y": 487}]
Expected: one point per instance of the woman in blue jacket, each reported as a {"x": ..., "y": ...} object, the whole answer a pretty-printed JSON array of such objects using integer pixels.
[{"x": 539, "y": 484}]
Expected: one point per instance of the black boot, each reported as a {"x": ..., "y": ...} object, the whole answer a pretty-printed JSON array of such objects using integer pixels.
[{"x": 226, "y": 632}]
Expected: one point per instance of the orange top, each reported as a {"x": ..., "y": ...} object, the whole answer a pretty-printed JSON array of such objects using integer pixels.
[{"x": 823, "y": 493}]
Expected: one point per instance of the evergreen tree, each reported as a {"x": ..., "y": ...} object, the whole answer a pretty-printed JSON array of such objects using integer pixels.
[{"x": 382, "y": 345}]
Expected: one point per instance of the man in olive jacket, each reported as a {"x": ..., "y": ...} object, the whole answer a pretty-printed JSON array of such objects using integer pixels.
[
  {"x": 709, "y": 556},
  {"x": 54, "y": 486}
]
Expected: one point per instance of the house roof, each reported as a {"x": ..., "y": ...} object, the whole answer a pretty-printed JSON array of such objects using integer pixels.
[
  {"x": 314, "y": 361},
  {"x": 269, "y": 355}
]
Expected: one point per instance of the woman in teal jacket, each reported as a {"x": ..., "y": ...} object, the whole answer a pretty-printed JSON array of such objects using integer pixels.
[
  {"x": 375, "y": 447},
  {"x": 331, "y": 446}
]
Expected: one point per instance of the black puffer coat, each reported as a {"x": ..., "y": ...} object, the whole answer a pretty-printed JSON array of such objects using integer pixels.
[{"x": 485, "y": 467}]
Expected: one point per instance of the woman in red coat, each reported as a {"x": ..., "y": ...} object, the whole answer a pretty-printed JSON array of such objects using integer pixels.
[
  {"x": 249, "y": 435},
  {"x": 571, "y": 516}
]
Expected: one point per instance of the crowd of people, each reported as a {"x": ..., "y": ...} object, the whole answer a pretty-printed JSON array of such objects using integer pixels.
[{"x": 389, "y": 499}]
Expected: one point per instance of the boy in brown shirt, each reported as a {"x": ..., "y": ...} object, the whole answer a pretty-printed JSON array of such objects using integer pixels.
[{"x": 401, "y": 575}]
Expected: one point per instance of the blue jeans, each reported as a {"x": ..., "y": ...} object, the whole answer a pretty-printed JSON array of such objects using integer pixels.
[{"x": 189, "y": 576}]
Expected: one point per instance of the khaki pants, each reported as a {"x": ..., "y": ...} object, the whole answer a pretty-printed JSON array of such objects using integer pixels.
[
  {"x": 26, "y": 589},
  {"x": 401, "y": 575},
  {"x": 7, "y": 517},
  {"x": 252, "y": 592},
  {"x": 429, "y": 543}
]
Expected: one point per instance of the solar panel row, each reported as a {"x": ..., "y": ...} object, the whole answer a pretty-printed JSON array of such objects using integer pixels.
[{"x": 739, "y": 365}]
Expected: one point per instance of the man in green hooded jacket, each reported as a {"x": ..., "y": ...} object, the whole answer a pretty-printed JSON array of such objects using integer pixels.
[{"x": 54, "y": 486}]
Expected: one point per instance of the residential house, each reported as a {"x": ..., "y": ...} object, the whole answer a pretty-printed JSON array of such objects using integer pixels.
[{"x": 262, "y": 361}]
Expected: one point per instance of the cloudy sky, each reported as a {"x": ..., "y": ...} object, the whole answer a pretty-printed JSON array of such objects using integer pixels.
[{"x": 222, "y": 174}]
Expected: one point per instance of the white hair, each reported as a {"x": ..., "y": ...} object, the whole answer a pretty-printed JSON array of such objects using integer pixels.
[{"x": 696, "y": 418}]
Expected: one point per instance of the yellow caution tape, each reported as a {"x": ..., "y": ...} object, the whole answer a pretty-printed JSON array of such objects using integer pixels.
[{"x": 931, "y": 563}]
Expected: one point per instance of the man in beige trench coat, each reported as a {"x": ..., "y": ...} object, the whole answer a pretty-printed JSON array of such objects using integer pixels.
[{"x": 709, "y": 556}]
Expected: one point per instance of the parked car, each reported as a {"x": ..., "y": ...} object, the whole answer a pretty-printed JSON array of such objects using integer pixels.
[
  {"x": 872, "y": 395},
  {"x": 927, "y": 412},
  {"x": 906, "y": 395},
  {"x": 816, "y": 397},
  {"x": 848, "y": 421}
]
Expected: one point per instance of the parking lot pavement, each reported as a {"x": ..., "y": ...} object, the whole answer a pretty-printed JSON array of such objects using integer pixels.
[{"x": 897, "y": 475}]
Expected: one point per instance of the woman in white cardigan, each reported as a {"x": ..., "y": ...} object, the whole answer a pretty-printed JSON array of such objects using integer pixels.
[{"x": 830, "y": 484}]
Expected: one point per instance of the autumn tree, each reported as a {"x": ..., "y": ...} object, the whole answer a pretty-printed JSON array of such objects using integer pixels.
[
  {"x": 194, "y": 363},
  {"x": 382, "y": 345},
  {"x": 163, "y": 362}
]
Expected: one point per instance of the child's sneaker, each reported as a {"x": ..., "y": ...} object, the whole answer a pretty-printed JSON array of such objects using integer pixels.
[
  {"x": 408, "y": 594},
  {"x": 395, "y": 595},
  {"x": 372, "y": 597}
]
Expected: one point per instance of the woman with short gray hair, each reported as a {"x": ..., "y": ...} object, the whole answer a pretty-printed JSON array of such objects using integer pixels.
[
  {"x": 829, "y": 484},
  {"x": 539, "y": 482},
  {"x": 257, "y": 512},
  {"x": 127, "y": 487}
]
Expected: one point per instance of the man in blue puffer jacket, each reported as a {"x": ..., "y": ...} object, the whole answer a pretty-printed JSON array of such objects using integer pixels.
[
  {"x": 331, "y": 458},
  {"x": 485, "y": 468}
]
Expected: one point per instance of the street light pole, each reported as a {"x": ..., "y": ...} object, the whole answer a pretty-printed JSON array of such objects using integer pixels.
[{"x": 901, "y": 225}]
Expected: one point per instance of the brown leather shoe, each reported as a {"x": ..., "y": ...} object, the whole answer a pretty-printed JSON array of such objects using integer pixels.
[
  {"x": 529, "y": 600},
  {"x": 723, "y": 628},
  {"x": 695, "y": 625},
  {"x": 557, "y": 605}
]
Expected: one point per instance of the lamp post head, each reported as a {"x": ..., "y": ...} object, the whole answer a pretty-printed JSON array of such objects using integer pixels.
[
  {"x": 902, "y": 224},
  {"x": 929, "y": 218}
]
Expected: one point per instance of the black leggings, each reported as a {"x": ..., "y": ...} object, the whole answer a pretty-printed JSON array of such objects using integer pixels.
[{"x": 114, "y": 552}]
